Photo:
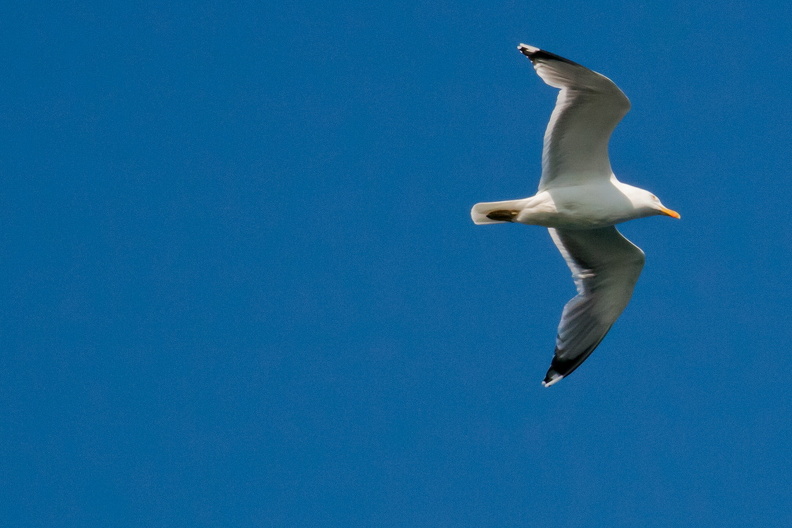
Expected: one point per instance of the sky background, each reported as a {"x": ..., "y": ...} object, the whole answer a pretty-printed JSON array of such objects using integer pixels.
[{"x": 241, "y": 286}]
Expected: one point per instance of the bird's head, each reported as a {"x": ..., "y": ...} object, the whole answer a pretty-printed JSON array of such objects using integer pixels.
[
  {"x": 662, "y": 209},
  {"x": 651, "y": 204}
]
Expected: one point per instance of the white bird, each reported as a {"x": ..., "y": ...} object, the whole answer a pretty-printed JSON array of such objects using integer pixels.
[{"x": 579, "y": 200}]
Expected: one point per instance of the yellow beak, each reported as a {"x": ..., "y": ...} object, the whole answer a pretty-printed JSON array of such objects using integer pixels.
[{"x": 669, "y": 212}]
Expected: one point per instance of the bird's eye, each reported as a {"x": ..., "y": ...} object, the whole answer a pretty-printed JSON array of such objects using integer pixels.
[{"x": 655, "y": 198}]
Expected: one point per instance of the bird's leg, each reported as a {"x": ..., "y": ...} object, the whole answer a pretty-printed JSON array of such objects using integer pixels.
[{"x": 503, "y": 215}]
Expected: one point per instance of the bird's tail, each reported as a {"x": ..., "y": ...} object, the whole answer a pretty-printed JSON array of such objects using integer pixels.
[{"x": 496, "y": 212}]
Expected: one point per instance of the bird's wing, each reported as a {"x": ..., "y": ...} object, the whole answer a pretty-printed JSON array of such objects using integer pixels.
[
  {"x": 605, "y": 266},
  {"x": 588, "y": 108}
]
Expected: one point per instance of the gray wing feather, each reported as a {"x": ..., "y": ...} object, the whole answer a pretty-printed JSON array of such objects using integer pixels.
[
  {"x": 605, "y": 267},
  {"x": 588, "y": 108}
]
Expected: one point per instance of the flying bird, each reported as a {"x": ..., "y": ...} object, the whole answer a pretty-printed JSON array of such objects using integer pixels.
[{"x": 580, "y": 200}]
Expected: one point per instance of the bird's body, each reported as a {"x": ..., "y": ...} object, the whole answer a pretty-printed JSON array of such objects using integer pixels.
[
  {"x": 576, "y": 207},
  {"x": 580, "y": 200}
]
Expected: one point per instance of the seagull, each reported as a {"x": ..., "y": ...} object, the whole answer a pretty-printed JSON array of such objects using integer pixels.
[{"x": 580, "y": 200}]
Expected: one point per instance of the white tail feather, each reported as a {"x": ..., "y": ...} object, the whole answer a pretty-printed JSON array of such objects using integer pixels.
[{"x": 481, "y": 210}]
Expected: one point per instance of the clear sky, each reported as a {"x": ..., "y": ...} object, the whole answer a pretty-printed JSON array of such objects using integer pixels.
[{"x": 241, "y": 286}]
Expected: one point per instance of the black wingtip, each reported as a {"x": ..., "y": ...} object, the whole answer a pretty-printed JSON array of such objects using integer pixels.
[
  {"x": 534, "y": 53},
  {"x": 561, "y": 368},
  {"x": 552, "y": 378},
  {"x": 528, "y": 51}
]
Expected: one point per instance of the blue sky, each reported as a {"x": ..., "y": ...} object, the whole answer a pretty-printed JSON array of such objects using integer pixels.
[{"x": 242, "y": 287}]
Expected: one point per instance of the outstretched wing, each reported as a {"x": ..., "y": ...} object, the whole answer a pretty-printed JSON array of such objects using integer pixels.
[
  {"x": 588, "y": 108},
  {"x": 605, "y": 266}
]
